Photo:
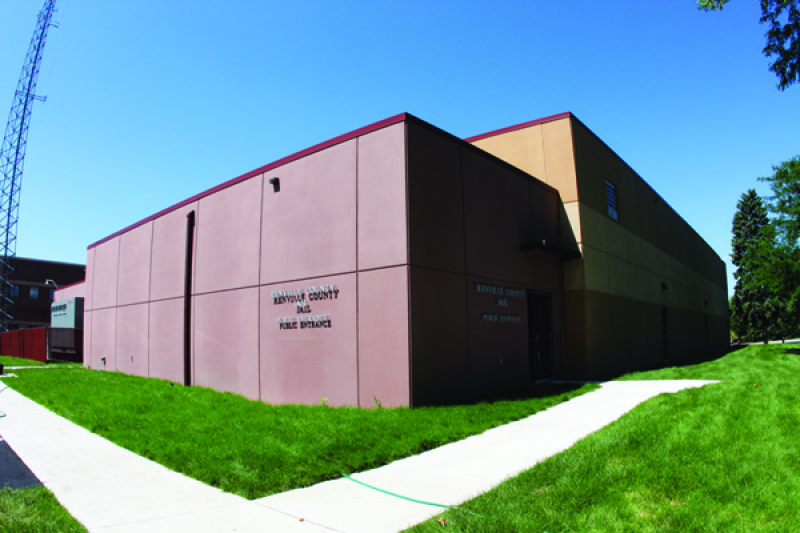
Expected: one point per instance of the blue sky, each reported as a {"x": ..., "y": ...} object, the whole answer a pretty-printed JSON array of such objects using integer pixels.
[{"x": 152, "y": 101}]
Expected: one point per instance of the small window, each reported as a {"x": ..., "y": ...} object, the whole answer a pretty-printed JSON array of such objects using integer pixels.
[
  {"x": 34, "y": 293},
  {"x": 14, "y": 293},
  {"x": 51, "y": 295},
  {"x": 611, "y": 195}
]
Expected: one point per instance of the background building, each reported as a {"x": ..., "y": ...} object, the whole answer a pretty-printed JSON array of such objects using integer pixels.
[
  {"x": 34, "y": 283},
  {"x": 396, "y": 264}
]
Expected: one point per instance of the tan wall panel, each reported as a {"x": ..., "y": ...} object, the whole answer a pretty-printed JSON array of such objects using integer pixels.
[
  {"x": 594, "y": 165},
  {"x": 522, "y": 148},
  {"x": 635, "y": 283},
  {"x": 648, "y": 252},
  {"x": 631, "y": 212},
  {"x": 615, "y": 238},
  {"x": 574, "y": 275},
  {"x": 593, "y": 228},
  {"x": 595, "y": 269},
  {"x": 570, "y": 219},
  {"x": 633, "y": 248},
  {"x": 651, "y": 287},
  {"x": 560, "y": 158},
  {"x": 618, "y": 276}
]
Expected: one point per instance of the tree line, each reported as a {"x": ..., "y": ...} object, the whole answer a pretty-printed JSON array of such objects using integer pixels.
[{"x": 766, "y": 300}]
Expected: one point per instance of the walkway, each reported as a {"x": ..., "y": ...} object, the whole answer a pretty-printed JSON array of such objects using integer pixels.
[{"x": 110, "y": 489}]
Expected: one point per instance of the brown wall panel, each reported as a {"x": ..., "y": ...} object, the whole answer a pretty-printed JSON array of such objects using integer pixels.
[
  {"x": 498, "y": 220},
  {"x": 440, "y": 366},
  {"x": 436, "y": 216},
  {"x": 575, "y": 348},
  {"x": 498, "y": 349}
]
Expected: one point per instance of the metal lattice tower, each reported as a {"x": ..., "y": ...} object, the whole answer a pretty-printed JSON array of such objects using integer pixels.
[{"x": 12, "y": 156}]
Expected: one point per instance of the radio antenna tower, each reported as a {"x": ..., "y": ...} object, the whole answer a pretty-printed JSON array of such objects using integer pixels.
[{"x": 12, "y": 156}]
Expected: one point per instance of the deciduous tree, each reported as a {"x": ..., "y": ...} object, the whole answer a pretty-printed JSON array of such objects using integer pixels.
[{"x": 783, "y": 35}]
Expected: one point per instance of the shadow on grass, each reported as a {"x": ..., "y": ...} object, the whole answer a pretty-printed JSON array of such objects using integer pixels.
[
  {"x": 529, "y": 392},
  {"x": 705, "y": 357}
]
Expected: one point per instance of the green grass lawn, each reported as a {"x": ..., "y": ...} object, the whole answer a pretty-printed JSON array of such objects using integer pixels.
[
  {"x": 253, "y": 449},
  {"x": 34, "y": 510},
  {"x": 724, "y": 458},
  {"x": 7, "y": 360}
]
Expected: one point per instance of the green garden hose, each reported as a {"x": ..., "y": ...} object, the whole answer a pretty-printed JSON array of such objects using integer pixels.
[{"x": 445, "y": 506}]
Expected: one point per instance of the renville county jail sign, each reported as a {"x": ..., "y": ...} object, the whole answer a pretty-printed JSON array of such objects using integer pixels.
[{"x": 300, "y": 298}]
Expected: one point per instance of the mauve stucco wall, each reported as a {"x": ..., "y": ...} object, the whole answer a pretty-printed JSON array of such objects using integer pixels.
[
  {"x": 76, "y": 290},
  {"x": 310, "y": 364},
  {"x": 336, "y": 208},
  {"x": 398, "y": 251}
]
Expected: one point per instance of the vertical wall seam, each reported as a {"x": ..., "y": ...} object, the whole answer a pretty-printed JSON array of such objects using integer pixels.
[
  {"x": 116, "y": 302},
  {"x": 466, "y": 269},
  {"x": 91, "y": 334},
  {"x": 258, "y": 295},
  {"x": 149, "y": 293},
  {"x": 187, "y": 298},
  {"x": 409, "y": 320},
  {"x": 358, "y": 280},
  {"x": 195, "y": 254}
]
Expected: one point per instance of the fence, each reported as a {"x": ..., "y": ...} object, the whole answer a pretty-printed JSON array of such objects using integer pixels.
[{"x": 43, "y": 344}]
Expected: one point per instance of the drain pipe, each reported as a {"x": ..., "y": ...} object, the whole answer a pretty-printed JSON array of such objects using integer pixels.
[{"x": 187, "y": 301}]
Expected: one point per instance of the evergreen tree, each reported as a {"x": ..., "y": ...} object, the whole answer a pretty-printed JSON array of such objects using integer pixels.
[
  {"x": 750, "y": 218},
  {"x": 747, "y": 317}
]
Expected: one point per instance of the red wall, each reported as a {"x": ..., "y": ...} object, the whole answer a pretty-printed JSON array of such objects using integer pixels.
[{"x": 25, "y": 344}]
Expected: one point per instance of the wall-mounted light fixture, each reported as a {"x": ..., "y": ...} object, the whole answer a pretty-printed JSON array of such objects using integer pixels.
[{"x": 276, "y": 184}]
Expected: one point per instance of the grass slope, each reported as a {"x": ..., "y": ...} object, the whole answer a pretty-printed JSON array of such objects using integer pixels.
[
  {"x": 250, "y": 448},
  {"x": 7, "y": 360},
  {"x": 34, "y": 510},
  {"x": 725, "y": 457}
]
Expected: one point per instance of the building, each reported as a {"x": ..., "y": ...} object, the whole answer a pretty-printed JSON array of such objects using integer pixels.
[
  {"x": 34, "y": 282},
  {"x": 647, "y": 288},
  {"x": 399, "y": 264}
]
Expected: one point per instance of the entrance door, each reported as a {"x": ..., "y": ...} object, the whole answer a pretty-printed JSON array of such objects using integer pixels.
[{"x": 539, "y": 343}]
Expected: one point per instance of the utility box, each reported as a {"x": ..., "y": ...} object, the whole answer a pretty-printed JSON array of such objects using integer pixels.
[{"x": 67, "y": 313}]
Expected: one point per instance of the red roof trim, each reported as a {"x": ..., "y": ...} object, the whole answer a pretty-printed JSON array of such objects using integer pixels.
[
  {"x": 81, "y": 282},
  {"x": 518, "y": 127},
  {"x": 266, "y": 168}
]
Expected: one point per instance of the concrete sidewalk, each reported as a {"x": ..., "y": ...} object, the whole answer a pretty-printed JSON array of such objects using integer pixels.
[{"x": 110, "y": 489}]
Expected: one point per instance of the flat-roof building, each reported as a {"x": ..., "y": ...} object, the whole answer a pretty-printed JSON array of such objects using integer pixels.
[{"x": 399, "y": 264}]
